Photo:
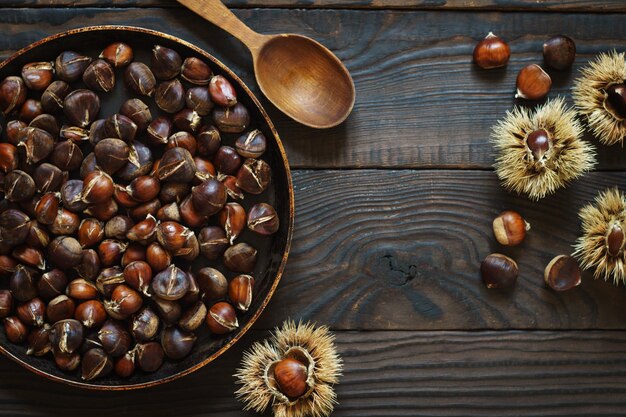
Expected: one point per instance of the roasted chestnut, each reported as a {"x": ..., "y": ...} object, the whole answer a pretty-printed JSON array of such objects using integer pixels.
[
  {"x": 231, "y": 119},
  {"x": 209, "y": 140},
  {"x": 138, "y": 275},
  {"x": 90, "y": 232},
  {"x": 12, "y": 94},
  {"x": 251, "y": 144},
  {"x": 176, "y": 165},
  {"x": 121, "y": 127},
  {"x": 91, "y": 313},
  {"x": 149, "y": 356},
  {"x": 52, "y": 99},
  {"x": 65, "y": 252},
  {"x": 70, "y": 66},
  {"x": 222, "y": 318},
  {"x": 66, "y": 156},
  {"x": 159, "y": 131},
  {"x": 240, "y": 258},
  {"x": 32, "y": 312},
  {"x": 254, "y": 176},
  {"x": 145, "y": 325},
  {"x": 19, "y": 186},
  {"x": 66, "y": 336},
  {"x": 140, "y": 79},
  {"x": 81, "y": 107},
  {"x": 198, "y": 99},
  {"x": 157, "y": 257},
  {"x": 114, "y": 338},
  {"x": 99, "y": 75},
  {"x": 195, "y": 71},
  {"x": 51, "y": 284},
  {"x": 111, "y": 154},
  {"x": 263, "y": 219},
  {"x": 165, "y": 62},
  {"x": 137, "y": 111},
  {"x": 118, "y": 54},
  {"x": 227, "y": 160},
  {"x": 222, "y": 92},
  {"x": 169, "y": 96},
  {"x": 95, "y": 364},
  {"x": 212, "y": 283},
  {"x": 177, "y": 343},
  {"x": 170, "y": 284}
]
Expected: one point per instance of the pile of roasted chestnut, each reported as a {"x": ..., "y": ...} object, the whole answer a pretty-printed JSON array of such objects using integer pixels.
[{"x": 108, "y": 221}]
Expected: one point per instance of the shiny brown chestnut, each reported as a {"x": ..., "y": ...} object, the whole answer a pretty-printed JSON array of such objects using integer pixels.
[
  {"x": 14, "y": 227},
  {"x": 198, "y": 99},
  {"x": 111, "y": 154},
  {"x": 124, "y": 302},
  {"x": 38, "y": 341},
  {"x": 157, "y": 257},
  {"x": 14, "y": 131},
  {"x": 81, "y": 107},
  {"x": 254, "y": 176},
  {"x": 222, "y": 318},
  {"x": 165, "y": 62},
  {"x": 169, "y": 96},
  {"x": 67, "y": 362},
  {"x": 510, "y": 228},
  {"x": 170, "y": 284},
  {"x": 95, "y": 363},
  {"x": 65, "y": 223},
  {"x": 114, "y": 338},
  {"x": 209, "y": 140},
  {"x": 89, "y": 266},
  {"x": 240, "y": 291},
  {"x": 231, "y": 119},
  {"x": 232, "y": 218},
  {"x": 169, "y": 212},
  {"x": 66, "y": 155},
  {"x": 204, "y": 170},
  {"x": 209, "y": 197},
  {"x": 121, "y": 127},
  {"x": 491, "y": 52},
  {"x": 109, "y": 279},
  {"x": 263, "y": 219},
  {"x": 125, "y": 366},
  {"x": 74, "y": 133},
  {"x": 227, "y": 160},
  {"x": 134, "y": 252},
  {"x": 103, "y": 211},
  {"x": 110, "y": 251},
  {"x": 559, "y": 52},
  {"x": 176, "y": 165},
  {"x": 46, "y": 122},
  {"x": 6, "y": 303},
  {"x": 172, "y": 236},
  {"x": 140, "y": 79},
  {"x": 149, "y": 356},
  {"x": 23, "y": 283},
  {"x": 615, "y": 100},
  {"x": 70, "y": 66},
  {"x": 174, "y": 192},
  {"x": 91, "y": 314},
  {"x": 60, "y": 308},
  {"x": 139, "y": 162},
  {"x": 30, "y": 109},
  {"x": 291, "y": 377},
  {"x": 32, "y": 312},
  {"x": 7, "y": 265},
  {"x": 66, "y": 336},
  {"x": 137, "y": 111},
  {"x": 190, "y": 216},
  {"x": 184, "y": 140},
  {"x": 15, "y": 330},
  {"x": 196, "y": 71},
  {"x": 251, "y": 144},
  {"x": 99, "y": 75},
  {"x": 51, "y": 284},
  {"x": 65, "y": 252},
  {"x": 38, "y": 75},
  {"x": 9, "y": 158},
  {"x": 47, "y": 208},
  {"x": 533, "y": 83},
  {"x": 191, "y": 249},
  {"x": 212, "y": 283},
  {"x": 145, "y": 325},
  {"x": 222, "y": 91},
  {"x": 213, "y": 242},
  {"x": 81, "y": 289},
  {"x": 193, "y": 317},
  {"x": 97, "y": 187},
  {"x": 143, "y": 232},
  {"x": 188, "y": 120},
  {"x": 29, "y": 256},
  {"x": 121, "y": 196},
  {"x": 177, "y": 343},
  {"x": 19, "y": 186},
  {"x": 38, "y": 236},
  {"x": 159, "y": 131},
  {"x": 138, "y": 275},
  {"x": 240, "y": 258},
  {"x": 52, "y": 99},
  {"x": 12, "y": 94},
  {"x": 144, "y": 188},
  {"x": 499, "y": 271},
  {"x": 118, "y": 54},
  {"x": 48, "y": 178},
  {"x": 90, "y": 232},
  {"x": 37, "y": 144},
  {"x": 142, "y": 211},
  {"x": 71, "y": 196}
]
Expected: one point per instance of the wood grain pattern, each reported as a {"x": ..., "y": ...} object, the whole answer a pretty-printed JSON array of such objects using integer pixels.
[
  {"x": 386, "y": 374},
  {"x": 420, "y": 101},
  {"x": 384, "y": 249},
  {"x": 601, "y": 6}
]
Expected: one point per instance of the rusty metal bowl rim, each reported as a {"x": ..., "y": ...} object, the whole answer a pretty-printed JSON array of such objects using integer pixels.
[{"x": 284, "y": 160}]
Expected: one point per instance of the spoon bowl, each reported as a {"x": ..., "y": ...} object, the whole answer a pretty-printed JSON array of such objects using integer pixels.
[
  {"x": 300, "y": 76},
  {"x": 304, "y": 80}
]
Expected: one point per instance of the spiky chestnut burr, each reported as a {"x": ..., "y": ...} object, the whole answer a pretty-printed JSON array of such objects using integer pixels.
[
  {"x": 540, "y": 151},
  {"x": 601, "y": 246},
  {"x": 294, "y": 372},
  {"x": 597, "y": 97}
]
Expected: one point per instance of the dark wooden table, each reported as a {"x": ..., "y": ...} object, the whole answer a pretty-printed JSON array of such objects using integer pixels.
[{"x": 393, "y": 213}]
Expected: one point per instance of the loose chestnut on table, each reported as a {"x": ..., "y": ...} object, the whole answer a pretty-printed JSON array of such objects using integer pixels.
[{"x": 111, "y": 217}]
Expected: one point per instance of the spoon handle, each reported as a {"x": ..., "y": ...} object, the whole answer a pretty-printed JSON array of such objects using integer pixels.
[{"x": 215, "y": 12}]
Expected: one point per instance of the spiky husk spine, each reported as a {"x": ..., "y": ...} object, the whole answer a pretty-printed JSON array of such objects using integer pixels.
[
  {"x": 568, "y": 157},
  {"x": 591, "y": 249},
  {"x": 319, "y": 345},
  {"x": 589, "y": 96}
]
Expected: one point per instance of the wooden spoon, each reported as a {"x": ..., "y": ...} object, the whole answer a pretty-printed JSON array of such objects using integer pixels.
[{"x": 299, "y": 75}]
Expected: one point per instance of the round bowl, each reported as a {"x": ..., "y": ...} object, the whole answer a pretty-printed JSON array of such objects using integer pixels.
[{"x": 273, "y": 250}]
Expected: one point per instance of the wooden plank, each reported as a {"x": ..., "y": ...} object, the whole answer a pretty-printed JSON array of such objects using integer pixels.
[
  {"x": 386, "y": 374},
  {"x": 391, "y": 249},
  {"x": 586, "y": 6},
  {"x": 420, "y": 101}
]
